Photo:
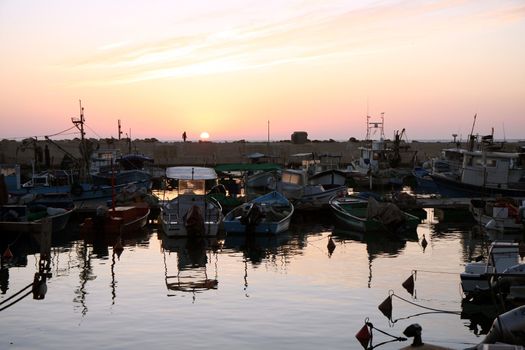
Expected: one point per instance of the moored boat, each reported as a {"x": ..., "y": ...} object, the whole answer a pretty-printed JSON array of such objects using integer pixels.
[
  {"x": 482, "y": 172},
  {"x": 503, "y": 261},
  {"x": 191, "y": 212},
  {"x": 500, "y": 214},
  {"x": 117, "y": 220},
  {"x": 31, "y": 219},
  {"x": 370, "y": 215},
  {"x": 270, "y": 213},
  {"x": 295, "y": 186}
]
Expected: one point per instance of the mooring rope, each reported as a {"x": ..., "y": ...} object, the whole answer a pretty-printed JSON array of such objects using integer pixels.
[
  {"x": 443, "y": 272},
  {"x": 14, "y": 295},
  {"x": 426, "y": 307},
  {"x": 395, "y": 338}
]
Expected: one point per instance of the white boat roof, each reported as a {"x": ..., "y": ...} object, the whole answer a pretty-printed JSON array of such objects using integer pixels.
[{"x": 191, "y": 173}]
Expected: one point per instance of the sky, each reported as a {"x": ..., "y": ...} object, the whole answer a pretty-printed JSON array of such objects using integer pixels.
[{"x": 251, "y": 69}]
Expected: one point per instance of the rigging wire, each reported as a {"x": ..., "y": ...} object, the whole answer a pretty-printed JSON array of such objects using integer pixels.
[{"x": 63, "y": 132}]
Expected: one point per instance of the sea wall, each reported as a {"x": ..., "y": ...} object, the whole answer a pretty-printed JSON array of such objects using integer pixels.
[{"x": 201, "y": 153}]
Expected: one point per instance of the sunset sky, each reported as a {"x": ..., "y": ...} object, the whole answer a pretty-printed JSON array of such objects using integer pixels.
[{"x": 229, "y": 67}]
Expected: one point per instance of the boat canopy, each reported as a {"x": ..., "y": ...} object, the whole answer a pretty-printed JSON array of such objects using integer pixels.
[
  {"x": 247, "y": 167},
  {"x": 191, "y": 173}
]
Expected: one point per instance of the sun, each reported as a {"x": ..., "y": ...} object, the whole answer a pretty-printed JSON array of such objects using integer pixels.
[{"x": 205, "y": 135}]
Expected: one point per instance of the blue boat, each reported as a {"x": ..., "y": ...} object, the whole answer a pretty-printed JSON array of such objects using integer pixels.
[{"x": 270, "y": 213}]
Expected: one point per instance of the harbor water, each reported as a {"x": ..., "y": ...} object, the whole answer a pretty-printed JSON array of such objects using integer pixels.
[{"x": 285, "y": 292}]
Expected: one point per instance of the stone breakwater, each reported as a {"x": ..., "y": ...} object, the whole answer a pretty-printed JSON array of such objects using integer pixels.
[{"x": 202, "y": 153}]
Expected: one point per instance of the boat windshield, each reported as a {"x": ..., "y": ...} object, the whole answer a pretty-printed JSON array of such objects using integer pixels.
[
  {"x": 292, "y": 178},
  {"x": 192, "y": 186}
]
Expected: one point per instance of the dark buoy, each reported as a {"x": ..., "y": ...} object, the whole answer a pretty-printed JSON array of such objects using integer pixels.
[
  {"x": 330, "y": 245},
  {"x": 364, "y": 336},
  {"x": 118, "y": 248},
  {"x": 409, "y": 284},
  {"x": 424, "y": 242},
  {"x": 386, "y": 307}
]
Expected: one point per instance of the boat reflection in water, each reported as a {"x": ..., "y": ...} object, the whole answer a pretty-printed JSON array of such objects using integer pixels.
[
  {"x": 189, "y": 273},
  {"x": 275, "y": 278},
  {"x": 377, "y": 244}
]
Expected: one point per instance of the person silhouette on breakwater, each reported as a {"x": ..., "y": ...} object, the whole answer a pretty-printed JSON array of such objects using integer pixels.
[{"x": 184, "y": 136}]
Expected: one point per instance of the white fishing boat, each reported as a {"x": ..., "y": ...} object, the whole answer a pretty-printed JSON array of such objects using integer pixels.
[
  {"x": 191, "y": 212},
  {"x": 484, "y": 168},
  {"x": 378, "y": 164},
  {"x": 295, "y": 186},
  {"x": 503, "y": 261},
  {"x": 501, "y": 214}
]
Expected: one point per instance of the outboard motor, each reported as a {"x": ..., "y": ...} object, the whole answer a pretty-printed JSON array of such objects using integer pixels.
[
  {"x": 252, "y": 216},
  {"x": 195, "y": 222}
]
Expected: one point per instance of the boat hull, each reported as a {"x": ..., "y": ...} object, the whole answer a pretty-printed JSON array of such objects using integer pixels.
[
  {"x": 449, "y": 187},
  {"x": 352, "y": 213},
  {"x": 272, "y": 215},
  {"x": 174, "y": 216},
  {"x": 58, "y": 223},
  {"x": 119, "y": 221}
]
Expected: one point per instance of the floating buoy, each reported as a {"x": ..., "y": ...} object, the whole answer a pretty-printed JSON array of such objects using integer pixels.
[
  {"x": 8, "y": 255},
  {"x": 330, "y": 245},
  {"x": 409, "y": 283},
  {"x": 118, "y": 248},
  {"x": 424, "y": 242},
  {"x": 364, "y": 336},
  {"x": 386, "y": 307}
]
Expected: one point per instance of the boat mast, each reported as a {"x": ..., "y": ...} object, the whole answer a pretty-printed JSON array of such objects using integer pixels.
[
  {"x": 375, "y": 125},
  {"x": 471, "y": 136},
  {"x": 79, "y": 123}
]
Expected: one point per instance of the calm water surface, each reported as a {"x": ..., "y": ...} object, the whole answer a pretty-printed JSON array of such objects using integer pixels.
[{"x": 283, "y": 293}]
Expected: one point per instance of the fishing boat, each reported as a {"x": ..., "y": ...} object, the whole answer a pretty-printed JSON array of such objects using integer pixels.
[
  {"x": 191, "y": 212},
  {"x": 500, "y": 214},
  {"x": 323, "y": 169},
  {"x": 253, "y": 175},
  {"x": 270, "y": 213},
  {"x": 295, "y": 186},
  {"x": 109, "y": 166},
  {"x": 503, "y": 261},
  {"x": 117, "y": 220},
  {"x": 16, "y": 218},
  {"x": 370, "y": 215},
  {"x": 379, "y": 165},
  {"x": 484, "y": 168}
]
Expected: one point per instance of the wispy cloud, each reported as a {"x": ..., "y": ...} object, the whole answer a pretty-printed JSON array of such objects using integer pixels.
[{"x": 319, "y": 31}]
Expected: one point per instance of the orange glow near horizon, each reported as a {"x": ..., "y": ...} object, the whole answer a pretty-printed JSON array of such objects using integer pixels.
[{"x": 317, "y": 66}]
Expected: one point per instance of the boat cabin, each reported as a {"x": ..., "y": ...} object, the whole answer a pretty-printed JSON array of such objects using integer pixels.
[
  {"x": 50, "y": 178},
  {"x": 494, "y": 169}
]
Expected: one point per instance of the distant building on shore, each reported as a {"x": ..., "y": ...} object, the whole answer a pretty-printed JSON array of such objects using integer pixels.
[{"x": 299, "y": 137}]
